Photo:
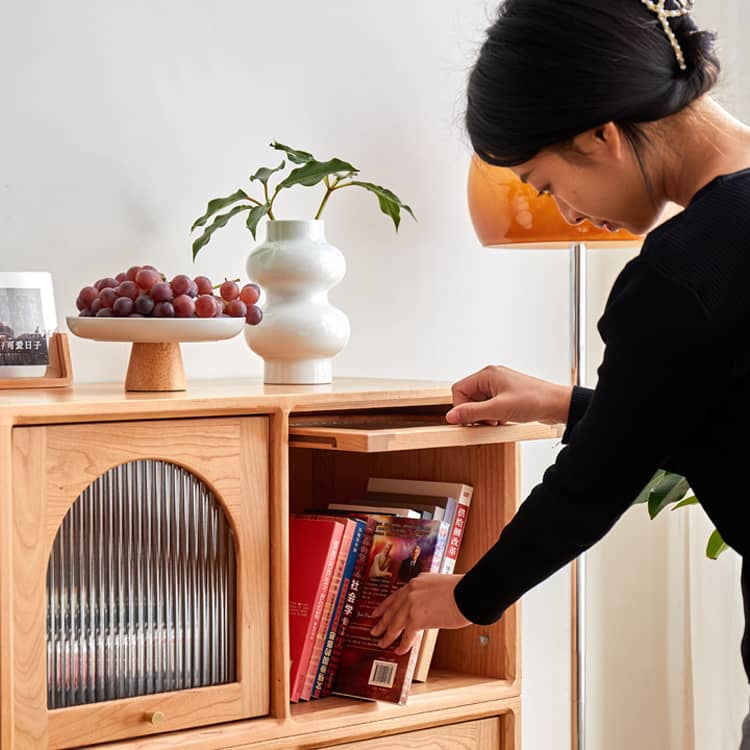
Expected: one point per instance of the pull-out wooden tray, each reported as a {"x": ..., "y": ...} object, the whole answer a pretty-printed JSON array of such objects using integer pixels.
[{"x": 375, "y": 433}]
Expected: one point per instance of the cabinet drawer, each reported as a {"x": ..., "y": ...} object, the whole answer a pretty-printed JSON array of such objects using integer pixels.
[
  {"x": 471, "y": 735},
  {"x": 375, "y": 433}
]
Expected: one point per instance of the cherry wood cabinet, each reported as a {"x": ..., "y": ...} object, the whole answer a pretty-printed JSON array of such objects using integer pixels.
[{"x": 144, "y": 564}]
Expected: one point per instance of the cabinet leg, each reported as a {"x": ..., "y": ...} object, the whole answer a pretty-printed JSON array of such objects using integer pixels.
[{"x": 512, "y": 729}]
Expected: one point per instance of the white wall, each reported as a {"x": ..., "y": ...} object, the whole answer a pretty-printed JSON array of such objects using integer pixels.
[{"x": 119, "y": 121}]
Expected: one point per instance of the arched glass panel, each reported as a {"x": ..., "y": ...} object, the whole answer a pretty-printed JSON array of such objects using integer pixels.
[{"x": 140, "y": 588}]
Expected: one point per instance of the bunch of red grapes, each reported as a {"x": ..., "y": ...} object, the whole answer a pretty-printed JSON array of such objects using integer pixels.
[{"x": 144, "y": 292}]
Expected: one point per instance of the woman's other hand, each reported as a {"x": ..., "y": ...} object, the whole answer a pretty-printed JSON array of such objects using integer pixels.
[
  {"x": 497, "y": 394},
  {"x": 425, "y": 602}
]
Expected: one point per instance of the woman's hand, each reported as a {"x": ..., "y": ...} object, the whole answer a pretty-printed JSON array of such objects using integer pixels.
[
  {"x": 497, "y": 394},
  {"x": 425, "y": 602}
]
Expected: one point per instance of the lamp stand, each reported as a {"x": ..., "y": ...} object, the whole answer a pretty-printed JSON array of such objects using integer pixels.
[{"x": 578, "y": 572}]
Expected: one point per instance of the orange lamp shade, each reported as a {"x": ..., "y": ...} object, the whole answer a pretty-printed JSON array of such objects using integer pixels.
[{"x": 506, "y": 211}]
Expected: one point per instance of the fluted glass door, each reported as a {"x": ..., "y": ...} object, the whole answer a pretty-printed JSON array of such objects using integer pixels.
[{"x": 140, "y": 588}]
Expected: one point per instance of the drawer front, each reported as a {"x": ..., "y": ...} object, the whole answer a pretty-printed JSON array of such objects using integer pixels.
[{"x": 470, "y": 735}]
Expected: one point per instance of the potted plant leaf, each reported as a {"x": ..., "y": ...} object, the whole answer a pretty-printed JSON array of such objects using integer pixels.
[{"x": 665, "y": 489}]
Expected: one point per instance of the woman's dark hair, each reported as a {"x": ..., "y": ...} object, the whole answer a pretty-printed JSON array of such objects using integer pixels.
[{"x": 551, "y": 69}]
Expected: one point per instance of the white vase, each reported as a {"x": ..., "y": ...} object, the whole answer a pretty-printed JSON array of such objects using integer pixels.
[{"x": 301, "y": 331}]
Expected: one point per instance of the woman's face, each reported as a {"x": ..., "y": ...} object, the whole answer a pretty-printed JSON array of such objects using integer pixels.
[{"x": 599, "y": 179}]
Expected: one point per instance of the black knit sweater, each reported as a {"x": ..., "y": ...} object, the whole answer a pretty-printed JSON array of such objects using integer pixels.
[{"x": 673, "y": 392}]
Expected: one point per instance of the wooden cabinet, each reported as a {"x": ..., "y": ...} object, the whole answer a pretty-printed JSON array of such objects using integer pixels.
[{"x": 144, "y": 565}]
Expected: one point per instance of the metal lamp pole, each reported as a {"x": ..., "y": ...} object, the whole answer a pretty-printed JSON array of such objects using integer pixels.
[{"x": 578, "y": 598}]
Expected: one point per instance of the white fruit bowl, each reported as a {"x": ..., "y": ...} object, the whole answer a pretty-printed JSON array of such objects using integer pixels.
[{"x": 155, "y": 358}]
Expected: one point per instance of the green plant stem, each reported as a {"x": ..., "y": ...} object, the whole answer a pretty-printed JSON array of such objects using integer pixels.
[
  {"x": 270, "y": 203},
  {"x": 330, "y": 189}
]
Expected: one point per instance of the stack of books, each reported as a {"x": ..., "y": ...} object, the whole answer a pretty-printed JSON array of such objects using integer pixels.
[{"x": 347, "y": 558}]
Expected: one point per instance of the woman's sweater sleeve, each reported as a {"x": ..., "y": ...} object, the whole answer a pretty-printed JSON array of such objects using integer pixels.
[
  {"x": 580, "y": 399},
  {"x": 658, "y": 377}
]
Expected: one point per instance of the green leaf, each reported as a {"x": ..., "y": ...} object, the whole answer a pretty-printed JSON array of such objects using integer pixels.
[
  {"x": 264, "y": 173},
  {"x": 256, "y": 214},
  {"x": 692, "y": 500},
  {"x": 219, "y": 222},
  {"x": 296, "y": 156},
  {"x": 390, "y": 203},
  {"x": 646, "y": 491},
  {"x": 716, "y": 545},
  {"x": 314, "y": 171},
  {"x": 670, "y": 489},
  {"x": 216, "y": 205}
]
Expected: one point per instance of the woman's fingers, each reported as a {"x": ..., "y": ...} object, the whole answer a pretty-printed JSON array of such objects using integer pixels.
[
  {"x": 473, "y": 395},
  {"x": 474, "y": 387},
  {"x": 384, "y": 605},
  {"x": 425, "y": 602},
  {"x": 392, "y": 628},
  {"x": 494, "y": 411},
  {"x": 408, "y": 637}
]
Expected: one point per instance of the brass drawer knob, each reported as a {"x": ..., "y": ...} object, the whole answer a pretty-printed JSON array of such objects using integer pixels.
[{"x": 156, "y": 718}]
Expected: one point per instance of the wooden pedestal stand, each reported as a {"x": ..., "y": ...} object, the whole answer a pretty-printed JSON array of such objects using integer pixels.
[
  {"x": 155, "y": 367},
  {"x": 59, "y": 371}
]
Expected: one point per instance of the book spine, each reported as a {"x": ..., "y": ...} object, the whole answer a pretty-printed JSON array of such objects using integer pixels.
[
  {"x": 360, "y": 569},
  {"x": 441, "y": 548},
  {"x": 455, "y": 535},
  {"x": 410, "y": 667},
  {"x": 316, "y": 614},
  {"x": 334, "y": 585},
  {"x": 343, "y": 592},
  {"x": 395, "y": 510},
  {"x": 450, "y": 510}
]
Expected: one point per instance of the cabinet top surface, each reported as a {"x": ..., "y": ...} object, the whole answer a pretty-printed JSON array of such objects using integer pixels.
[{"x": 101, "y": 402}]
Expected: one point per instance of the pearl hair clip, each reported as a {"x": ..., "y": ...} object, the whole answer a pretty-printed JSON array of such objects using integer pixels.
[{"x": 683, "y": 8}]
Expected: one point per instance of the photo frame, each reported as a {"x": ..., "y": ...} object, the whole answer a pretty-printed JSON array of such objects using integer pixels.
[{"x": 27, "y": 322}]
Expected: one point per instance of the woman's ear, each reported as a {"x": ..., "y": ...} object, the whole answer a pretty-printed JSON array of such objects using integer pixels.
[{"x": 603, "y": 142}]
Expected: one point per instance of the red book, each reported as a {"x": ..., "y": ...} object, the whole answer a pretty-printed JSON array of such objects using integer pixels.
[
  {"x": 331, "y": 598},
  {"x": 313, "y": 550},
  {"x": 402, "y": 548}
]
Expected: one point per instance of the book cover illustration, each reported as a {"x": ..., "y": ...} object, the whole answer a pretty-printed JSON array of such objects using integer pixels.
[{"x": 401, "y": 549}]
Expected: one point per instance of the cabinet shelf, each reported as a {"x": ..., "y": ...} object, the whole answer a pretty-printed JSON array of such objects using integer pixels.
[{"x": 443, "y": 689}]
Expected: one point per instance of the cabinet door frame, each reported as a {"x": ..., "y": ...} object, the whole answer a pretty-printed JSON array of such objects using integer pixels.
[{"x": 51, "y": 466}]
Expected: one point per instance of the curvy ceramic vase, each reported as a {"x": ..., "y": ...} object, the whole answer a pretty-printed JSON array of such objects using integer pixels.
[{"x": 301, "y": 331}]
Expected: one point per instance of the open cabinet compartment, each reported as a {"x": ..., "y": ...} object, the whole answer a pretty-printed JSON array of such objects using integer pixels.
[{"x": 321, "y": 472}]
